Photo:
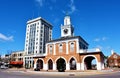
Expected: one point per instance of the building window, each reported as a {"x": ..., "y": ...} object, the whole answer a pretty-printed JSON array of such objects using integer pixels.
[
  {"x": 51, "y": 49},
  {"x": 60, "y": 47},
  {"x": 71, "y": 47}
]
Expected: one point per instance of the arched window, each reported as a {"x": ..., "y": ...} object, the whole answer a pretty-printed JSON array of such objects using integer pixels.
[
  {"x": 71, "y": 46},
  {"x": 51, "y": 49},
  {"x": 60, "y": 47}
]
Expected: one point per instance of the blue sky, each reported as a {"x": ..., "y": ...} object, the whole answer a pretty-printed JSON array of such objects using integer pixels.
[{"x": 97, "y": 21}]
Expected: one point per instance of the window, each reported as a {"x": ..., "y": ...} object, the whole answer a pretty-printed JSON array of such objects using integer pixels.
[
  {"x": 60, "y": 48},
  {"x": 71, "y": 47},
  {"x": 51, "y": 49},
  {"x": 37, "y": 30},
  {"x": 36, "y": 43}
]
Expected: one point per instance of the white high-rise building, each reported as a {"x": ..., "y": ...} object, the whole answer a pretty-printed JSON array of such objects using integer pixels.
[{"x": 38, "y": 32}]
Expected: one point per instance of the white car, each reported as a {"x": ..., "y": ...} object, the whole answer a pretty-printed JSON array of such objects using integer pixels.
[{"x": 3, "y": 67}]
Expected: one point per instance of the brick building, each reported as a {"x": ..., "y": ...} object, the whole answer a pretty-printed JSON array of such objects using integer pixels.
[
  {"x": 113, "y": 60},
  {"x": 69, "y": 52}
]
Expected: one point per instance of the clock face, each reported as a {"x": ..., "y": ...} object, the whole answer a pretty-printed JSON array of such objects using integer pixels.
[{"x": 65, "y": 31}]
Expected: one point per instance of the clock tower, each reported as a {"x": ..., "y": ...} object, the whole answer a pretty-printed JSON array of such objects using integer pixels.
[{"x": 67, "y": 29}]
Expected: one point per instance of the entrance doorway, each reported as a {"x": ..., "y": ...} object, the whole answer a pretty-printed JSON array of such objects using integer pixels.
[
  {"x": 50, "y": 65},
  {"x": 90, "y": 63},
  {"x": 39, "y": 64},
  {"x": 72, "y": 64},
  {"x": 61, "y": 65}
]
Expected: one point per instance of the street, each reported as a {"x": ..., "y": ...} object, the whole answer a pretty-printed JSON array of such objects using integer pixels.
[{"x": 19, "y": 74}]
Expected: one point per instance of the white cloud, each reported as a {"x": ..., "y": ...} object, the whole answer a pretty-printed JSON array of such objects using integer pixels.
[
  {"x": 100, "y": 39},
  {"x": 40, "y": 2},
  {"x": 99, "y": 46},
  {"x": 5, "y": 38},
  {"x": 97, "y": 39},
  {"x": 72, "y": 7},
  {"x": 104, "y": 38}
]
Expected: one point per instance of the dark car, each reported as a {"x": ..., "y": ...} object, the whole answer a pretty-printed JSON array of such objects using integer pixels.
[{"x": 36, "y": 69}]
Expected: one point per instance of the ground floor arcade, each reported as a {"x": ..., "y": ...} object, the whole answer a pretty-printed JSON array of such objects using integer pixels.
[{"x": 81, "y": 61}]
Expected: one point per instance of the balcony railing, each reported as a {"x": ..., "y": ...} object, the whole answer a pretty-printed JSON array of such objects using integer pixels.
[{"x": 89, "y": 50}]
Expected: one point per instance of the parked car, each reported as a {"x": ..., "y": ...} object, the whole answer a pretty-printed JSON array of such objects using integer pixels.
[
  {"x": 37, "y": 69},
  {"x": 3, "y": 67}
]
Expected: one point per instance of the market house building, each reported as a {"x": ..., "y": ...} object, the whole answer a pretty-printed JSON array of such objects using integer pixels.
[{"x": 69, "y": 52}]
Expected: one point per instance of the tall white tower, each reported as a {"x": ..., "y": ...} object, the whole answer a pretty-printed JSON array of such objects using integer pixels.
[
  {"x": 67, "y": 29},
  {"x": 38, "y": 32}
]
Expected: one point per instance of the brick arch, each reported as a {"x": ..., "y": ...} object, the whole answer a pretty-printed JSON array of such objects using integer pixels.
[
  {"x": 50, "y": 64},
  {"x": 40, "y": 59},
  {"x": 59, "y": 58},
  {"x": 89, "y": 56},
  {"x": 49, "y": 59},
  {"x": 84, "y": 67},
  {"x": 74, "y": 58}
]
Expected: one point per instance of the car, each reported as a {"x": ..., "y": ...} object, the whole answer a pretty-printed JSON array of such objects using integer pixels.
[
  {"x": 3, "y": 67},
  {"x": 36, "y": 69}
]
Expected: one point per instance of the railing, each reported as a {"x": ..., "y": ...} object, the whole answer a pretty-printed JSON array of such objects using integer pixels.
[{"x": 89, "y": 50}]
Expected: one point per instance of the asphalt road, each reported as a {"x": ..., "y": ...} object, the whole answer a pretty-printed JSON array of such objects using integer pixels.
[{"x": 18, "y": 74}]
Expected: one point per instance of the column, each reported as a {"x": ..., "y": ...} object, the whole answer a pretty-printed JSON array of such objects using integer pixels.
[
  {"x": 54, "y": 49},
  {"x": 78, "y": 66},
  {"x": 67, "y": 66},
  {"x": 82, "y": 66},
  {"x": 99, "y": 66},
  {"x": 45, "y": 66},
  {"x": 66, "y": 47},
  {"x": 54, "y": 66},
  {"x": 35, "y": 65},
  {"x": 103, "y": 66}
]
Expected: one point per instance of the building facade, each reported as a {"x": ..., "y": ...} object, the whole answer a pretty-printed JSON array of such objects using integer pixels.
[
  {"x": 38, "y": 32},
  {"x": 69, "y": 52},
  {"x": 113, "y": 60},
  {"x": 17, "y": 58}
]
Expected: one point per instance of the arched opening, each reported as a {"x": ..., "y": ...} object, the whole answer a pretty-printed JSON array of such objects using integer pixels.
[
  {"x": 90, "y": 63},
  {"x": 50, "y": 65},
  {"x": 61, "y": 65},
  {"x": 72, "y": 64},
  {"x": 39, "y": 64}
]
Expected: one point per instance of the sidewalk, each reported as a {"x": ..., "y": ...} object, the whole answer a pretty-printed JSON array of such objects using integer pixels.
[{"x": 67, "y": 73}]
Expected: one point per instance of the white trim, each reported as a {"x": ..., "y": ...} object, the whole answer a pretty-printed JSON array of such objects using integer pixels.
[
  {"x": 54, "y": 66},
  {"x": 67, "y": 66},
  {"x": 49, "y": 59},
  {"x": 77, "y": 66},
  {"x": 54, "y": 51},
  {"x": 45, "y": 66},
  {"x": 66, "y": 47},
  {"x": 99, "y": 66},
  {"x": 55, "y": 42},
  {"x": 35, "y": 65}
]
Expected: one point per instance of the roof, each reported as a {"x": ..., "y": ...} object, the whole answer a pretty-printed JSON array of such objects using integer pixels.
[
  {"x": 100, "y": 52},
  {"x": 68, "y": 38},
  {"x": 36, "y": 19}
]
